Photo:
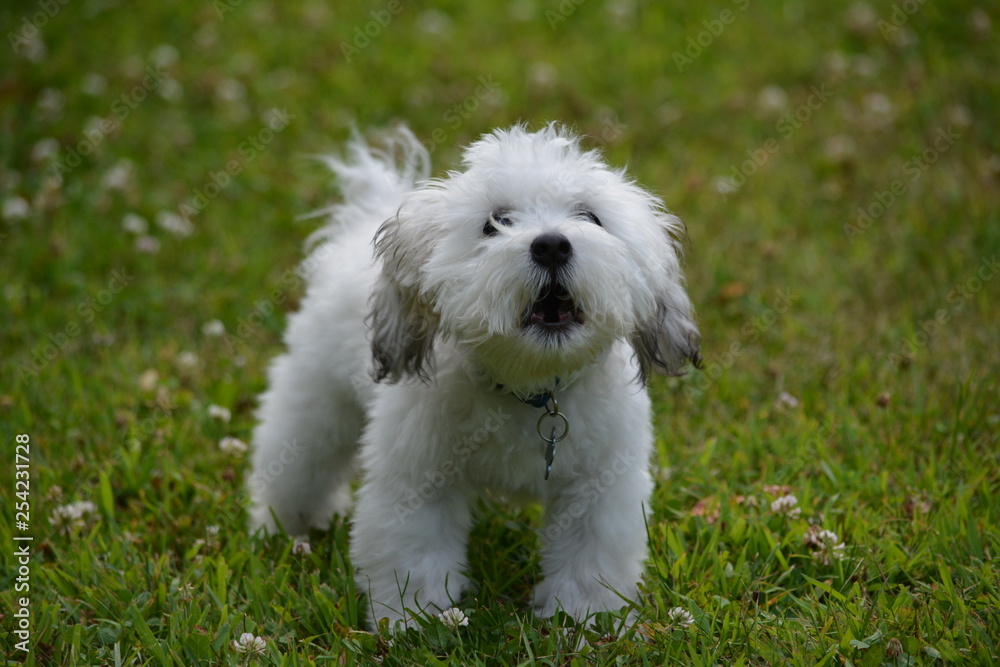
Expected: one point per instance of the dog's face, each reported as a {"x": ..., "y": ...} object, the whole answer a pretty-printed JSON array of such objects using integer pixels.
[{"x": 535, "y": 258}]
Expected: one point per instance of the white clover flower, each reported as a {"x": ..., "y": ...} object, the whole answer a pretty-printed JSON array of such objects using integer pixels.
[
  {"x": 862, "y": 18},
  {"x": 725, "y": 185},
  {"x": 230, "y": 90},
  {"x": 231, "y": 445},
  {"x": 148, "y": 379},
  {"x": 136, "y": 224},
  {"x": 147, "y": 245},
  {"x": 249, "y": 643},
  {"x": 786, "y": 400},
  {"x": 187, "y": 360},
  {"x": 680, "y": 617},
  {"x": 164, "y": 55},
  {"x": 67, "y": 518},
  {"x": 772, "y": 99},
  {"x": 824, "y": 545},
  {"x": 93, "y": 83},
  {"x": 840, "y": 148},
  {"x": 174, "y": 223},
  {"x": 220, "y": 413},
  {"x": 45, "y": 149},
  {"x": 16, "y": 208},
  {"x": 787, "y": 505},
  {"x": 119, "y": 177},
  {"x": 453, "y": 618},
  {"x": 301, "y": 546},
  {"x": 213, "y": 328}
]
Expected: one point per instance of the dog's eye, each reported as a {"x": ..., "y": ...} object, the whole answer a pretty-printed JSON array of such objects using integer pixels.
[
  {"x": 497, "y": 217},
  {"x": 590, "y": 215}
]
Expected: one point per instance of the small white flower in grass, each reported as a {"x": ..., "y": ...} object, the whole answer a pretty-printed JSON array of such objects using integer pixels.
[
  {"x": 72, "y": 516},
  {"x": 786, "y": 400},
  {"x": 187, "y": 360},
  {"x": 135, "y": 224},
  {"x": 171, "y": 90},
  {"x": 185, "y": 593},
  {"x": 787, "y": 505},
  {"x": 725, "y": 185},
  {"x": 230, "y": 90},
  {"x": 33, "y": 48},
  {"x": 231, "y": 445},
  {"x": 213, "y": 328},
  {"x": 16, "y": 208},
  {"x": 45, "y": 149},
  {"x": 148, "y": 245},
  {"x": 220, "y": 413},
  {"x": 453, "y": 618},
  {"x": 249, "y": 643},
  {"x": 772, "y": 99},
  {"x": 301, "y": 546},
  {"x": 174, "y": 223},
  {"x": 148, "y": 380},
  {"x": 119, "y": 177},
  {"x": 164, "y": 55},
  {"x": 840, "y": 149},
  {"x": 51, "y": 102},
  {"x": 861, "y": 18},
  {"x": 824, "y": 545},
  {"x": 980, "y": 22},
  {"x": 93, "y": 83},
  {"x": 680, "y": 617}
]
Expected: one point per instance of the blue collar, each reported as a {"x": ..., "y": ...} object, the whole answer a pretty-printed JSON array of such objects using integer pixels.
[{"x": 536, "y": 400}]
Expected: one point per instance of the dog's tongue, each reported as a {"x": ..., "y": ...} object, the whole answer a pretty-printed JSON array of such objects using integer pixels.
[
  {"x": 550, "y": 314},
  {"x": 554, "y": 308}
]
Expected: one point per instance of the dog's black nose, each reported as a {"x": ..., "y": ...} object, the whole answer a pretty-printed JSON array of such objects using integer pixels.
[{"x": 551, "y": 250}]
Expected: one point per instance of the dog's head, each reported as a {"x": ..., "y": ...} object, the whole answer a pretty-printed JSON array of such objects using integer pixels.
[{"x": 535, "y": 259}]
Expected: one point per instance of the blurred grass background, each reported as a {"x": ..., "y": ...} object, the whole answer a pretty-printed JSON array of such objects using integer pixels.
[{"x": 837, "y": 166}]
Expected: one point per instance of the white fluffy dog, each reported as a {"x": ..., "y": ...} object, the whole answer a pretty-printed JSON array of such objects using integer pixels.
[{"x": 496, "y": 343}]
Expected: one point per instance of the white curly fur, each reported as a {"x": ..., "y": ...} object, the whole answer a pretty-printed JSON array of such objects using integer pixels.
[{"x": 414, "y": 362}]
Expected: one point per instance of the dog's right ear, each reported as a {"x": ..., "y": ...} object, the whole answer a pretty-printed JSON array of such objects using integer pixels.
[{"x": 402, "y": 321}]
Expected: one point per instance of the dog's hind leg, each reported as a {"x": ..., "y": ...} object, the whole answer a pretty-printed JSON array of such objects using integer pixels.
[{"x": 304, "y": 446}]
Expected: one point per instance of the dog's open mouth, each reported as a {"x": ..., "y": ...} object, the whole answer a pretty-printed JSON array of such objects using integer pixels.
[{"x": 554, "y": 312}]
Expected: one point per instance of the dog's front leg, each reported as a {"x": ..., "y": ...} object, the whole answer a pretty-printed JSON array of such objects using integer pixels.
[
  {"x": 408, "y": 543},
  {"x": 594, "y": 540}
]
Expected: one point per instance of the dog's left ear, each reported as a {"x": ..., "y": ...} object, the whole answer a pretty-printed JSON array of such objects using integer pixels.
[
  {"x": 402, "y": 321},
  {"x": 670, "y": 339}
]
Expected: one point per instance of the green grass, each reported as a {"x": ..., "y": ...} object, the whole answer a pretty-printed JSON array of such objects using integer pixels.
[{"x": 854, "y": 366}]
